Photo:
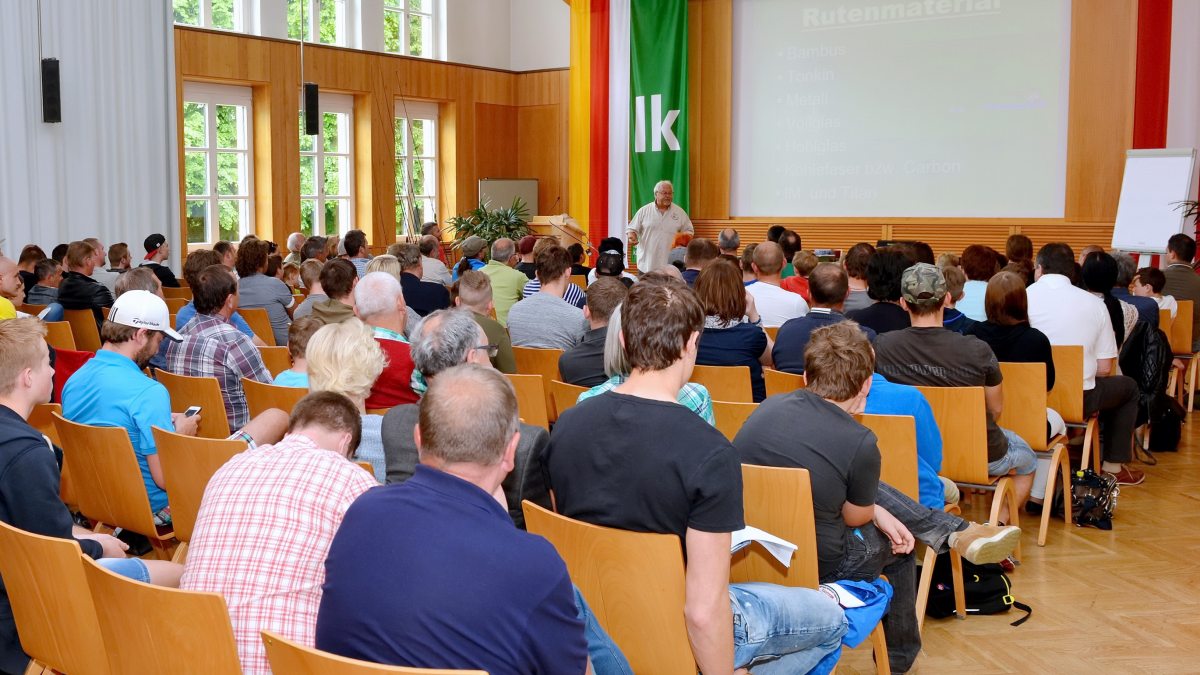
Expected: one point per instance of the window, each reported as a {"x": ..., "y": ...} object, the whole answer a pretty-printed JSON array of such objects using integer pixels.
[
  {"x": 222, "y": 14},
  {"x": 326, "y": 172},
  {"x": 408, "y": 27},
  {"x": 217, "y": 162},
  {"x": 416, "y": 165},
  {"x": 326, "y": 19}
]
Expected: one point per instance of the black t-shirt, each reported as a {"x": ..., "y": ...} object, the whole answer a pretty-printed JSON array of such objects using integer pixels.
[
  {"x": 1020, "y": 343},
  {"x": 937, "y": 357},
  {"x": 643, "y": 465},
  {"x": 527, "y": 268},
  {"x": 803, "y": 430},
  {"x": 881, "y": 317}
]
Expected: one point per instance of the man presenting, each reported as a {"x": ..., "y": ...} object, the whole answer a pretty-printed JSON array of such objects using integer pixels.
[{"x": 654, "y": 227}]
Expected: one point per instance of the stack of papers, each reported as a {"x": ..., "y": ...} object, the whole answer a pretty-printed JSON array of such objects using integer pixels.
[{"x": 782, "y": 549}]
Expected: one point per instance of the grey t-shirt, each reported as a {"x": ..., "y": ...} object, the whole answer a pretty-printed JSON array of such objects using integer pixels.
[
  {"x": 857, "y": 300},
  {"x": 306, "y": 307},
  {"x": 545, "y": 321},
  {"x": 260, "y": 290}
]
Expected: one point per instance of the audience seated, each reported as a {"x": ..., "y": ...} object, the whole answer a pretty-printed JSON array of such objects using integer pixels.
[
  {"x": 355, "y": 242},
  {"x": 12, "y": 290},
  {"x": 979, "y": 263},
  {"x": 955, "y": 320},
  {"x": 422, "y": 297},
  {"x": 99, "y": 273},
  {"x": 1018, "y": 248},
  {"x": 380, "y": 303},
  {"x": 78, "y": 289},
  {"x": 573, "y": 294},
  {"x": 1182, "y": 282},
  {"x": 614, "y": 264},
  {"x": 506, "y": 281},
  {"x": 583, "y": 364},
  {"x": 545, "y": 319},
  {"x": 474, "y": 292},
  {"x": 892, "y": 398},
  {"x": 700, "y": 252},
  {"x": 197, "y": 262},
  {"x": 803, "y": 263},
  {"x": 310, "y": 279},
  {"x": 433, "y": 269},
  {"x": 1071, "y": 316},
  {"x": 1099, "y": 274},
  {"x": 338, "y": 278},
  {"x": 789, "y": 244},
  {"x": 829, "y": 287},
  {"x": 49, "y": 275},
  {"x": 690, "y": 486},
  {"x": 525, "y": 250},
  {"x": 30, "y": 256},
  {"x": 1147, "y": 308},
  {"x": 856, "y": 262},
  {"x": 774, "y": 304},
  {"x": 157, "y": 252},
  {"x": 266, "y": 522},
  {"x": 883, "y": 285},
  {"x": 228, "y": 252},
  {"x": 387, "y": 263},
  {"x": 929, "y": 354},
  {"x": 299, "y": 333},
  {"x": 29, "y": 477},
  {"x": 295, "y": 242},
  {"x": 313, "y": 249},
  {"x": 257, "y": 290},
  {"x": 728, "y": 241},
  {"x": 472, "y": 249},
  {"x": 345, "y": 358},
  {"x": 746, "y": 263},
  {"x": 733, "y": 334},
  {"x": 577, "y": 267},
  {"x": 444, "y": 340},
  {"x": 1149, "y": 283}
]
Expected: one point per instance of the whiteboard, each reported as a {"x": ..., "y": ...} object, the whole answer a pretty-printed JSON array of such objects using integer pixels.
[
  {"x": 1148, "y": 214},
  {"x": 498, "y": 193}
]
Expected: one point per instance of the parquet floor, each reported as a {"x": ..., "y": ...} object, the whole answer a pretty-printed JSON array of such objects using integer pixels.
[{"x": 1123, "y": 601}]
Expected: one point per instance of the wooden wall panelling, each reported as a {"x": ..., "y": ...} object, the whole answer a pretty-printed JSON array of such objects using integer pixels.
[
  {"x": 541, "y": 137},
  {"x": 496, "y": 142}
]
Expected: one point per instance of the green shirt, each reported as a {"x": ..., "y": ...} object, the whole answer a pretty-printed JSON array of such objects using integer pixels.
[
  {"x": 506, "y": 287},
  {"x": 504, "y": 362},
  {"x": 788, "y": 271}
]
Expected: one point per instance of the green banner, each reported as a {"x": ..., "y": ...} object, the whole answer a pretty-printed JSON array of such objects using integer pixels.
[{"x": 658, "y": 117}]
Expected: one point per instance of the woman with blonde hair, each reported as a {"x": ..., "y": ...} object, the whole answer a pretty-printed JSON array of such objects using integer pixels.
[
  {"x": 345, "y": 358},
  {"x": 385, "y": 263}
]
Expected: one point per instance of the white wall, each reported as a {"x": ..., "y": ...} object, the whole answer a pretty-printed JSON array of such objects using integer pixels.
[
  {"x": 508, "y": 34},
  {"x": 477, "y": 32},
  {"x": 540, "y": 35},
  {"x": 1183, "y": 106}
]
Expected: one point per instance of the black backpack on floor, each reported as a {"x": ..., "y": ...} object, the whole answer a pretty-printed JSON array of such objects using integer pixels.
[{"x": 987, "y": 588}]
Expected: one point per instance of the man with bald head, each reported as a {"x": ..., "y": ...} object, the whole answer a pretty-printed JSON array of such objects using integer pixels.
[
  {"x": 10, "y": 285},
  {"x": 728, "y": 241},
  {"x": 828, "y": 286},
  {"x": 775, "y": 305},
  {"x": 507, "y": 282}
]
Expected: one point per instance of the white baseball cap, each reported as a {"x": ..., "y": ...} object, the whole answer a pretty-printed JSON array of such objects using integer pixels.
[{"x": 143, "y": 309}]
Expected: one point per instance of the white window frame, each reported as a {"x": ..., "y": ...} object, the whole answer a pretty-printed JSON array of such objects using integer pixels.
[
  {"x": 342, "y": 104},
  {"x": 422, "y": 110},
  {"x": 213, "y": 95},
  {"x": 347, "y": 16},
  {"x": 242, "y": 16},
  {"x": 435, "y": 14}
]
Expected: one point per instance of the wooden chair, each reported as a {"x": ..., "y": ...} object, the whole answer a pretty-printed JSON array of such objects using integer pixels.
[
  {"x": 779, "y": 501},
  {"x": 42, "y": 419},
  {"x": 288, "y": 657},
  {"x": 83, "y": 329},
  {"x": 262, "y": 397},
  {"x": 187, "y": 465},
  {"x": 32, "y": 310},
  {"x": 50, "y": 602},
  {"x": 182, "y": 293},
  {"x": 565, "y": 395},
  {"x": 205, "y": 392},
  {"x": 1067, "y": 398},
  {"x": 174, "y": 305},
  {"x": 542, "y": 362},
  {"x": 107, "y": 481},
  {"x": 259, "y": 322},
  {"x": 1024, "y": 413},
  {"x": 897, "y": 437},
  {"x": 378, "y": 411},
  {"x": 728, "y": 383},
  {"x": 580, "y": 280},
  {"x": 779, "y": 382},
  {"x": 772, "y": 332},
  {"x": 276, "y": 359},
  {"x": 1181, "y": 345},
  {"x": 154, "y": 629},
  {"x": 962, "y": 419},
  {"x": 731, "y": 416},
  {"x": 531, "y": 399},
  {"x": 59, "y": 335},
  {"x": 634, "y": 584}
]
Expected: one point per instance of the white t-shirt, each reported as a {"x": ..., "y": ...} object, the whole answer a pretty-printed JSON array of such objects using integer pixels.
[
  {"x": 1072, "y": 316},
  {"x": 656, "y": 232},
  {"x": 1168, "y": 302},
  {"x": 774, "y": 304}
]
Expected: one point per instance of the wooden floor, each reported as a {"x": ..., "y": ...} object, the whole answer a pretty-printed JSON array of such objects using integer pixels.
[{"x": 1123, "y": 601}]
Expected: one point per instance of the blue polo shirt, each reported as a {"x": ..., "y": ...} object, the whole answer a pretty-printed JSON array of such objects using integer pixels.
[
  {"x": 111, "y": 391},
  {"x": 793, "y": 336},
  {"x": 889, "y": 398},
  {"x": 432, "y": 573}
]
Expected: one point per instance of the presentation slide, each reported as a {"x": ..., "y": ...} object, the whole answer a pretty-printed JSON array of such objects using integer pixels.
[{"x": 930, "y": 108}]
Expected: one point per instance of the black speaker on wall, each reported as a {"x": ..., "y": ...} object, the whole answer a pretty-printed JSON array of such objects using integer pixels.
[
  {"x": 312, "y": 114},
  {"x": 51, "y": 99}
]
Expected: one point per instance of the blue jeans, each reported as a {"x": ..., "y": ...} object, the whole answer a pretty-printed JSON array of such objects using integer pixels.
[
  {"x": 1019, "y": 456},
  {"x": 606, "y": 657},
  {"x": 777, "y": 629},
  {"x": 131, "y": 568}
]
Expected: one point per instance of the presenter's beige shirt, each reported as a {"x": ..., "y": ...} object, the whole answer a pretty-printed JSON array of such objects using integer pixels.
[{"x": 656, "y": 232}]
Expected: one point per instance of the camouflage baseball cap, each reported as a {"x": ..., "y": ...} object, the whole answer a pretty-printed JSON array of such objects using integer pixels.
[{"x": 923, "y": 284}]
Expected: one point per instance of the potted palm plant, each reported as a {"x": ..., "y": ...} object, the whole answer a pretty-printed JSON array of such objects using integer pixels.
[{"x": 492, "y": 224}]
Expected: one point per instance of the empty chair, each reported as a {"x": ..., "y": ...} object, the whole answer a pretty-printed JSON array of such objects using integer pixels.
[
  {"x": 187, "y": 465},
  {"x": 565, "y": 395},
  {"x": 59, "y": 335},
  {"x": 186, "y": 391},
  {"x": 276, "y": 359},
  {"x": 288, "y": 657},
  {"x": 779, "y": 382},
  {"x": 531, "y": 399},
  {"x": 544, "y": 362},
  {"x": 1181, "y": 338},
  {"x": 728, "y": 383},
  {"x": 259, "y": 322},
  {"x": 262, "y": 397}
]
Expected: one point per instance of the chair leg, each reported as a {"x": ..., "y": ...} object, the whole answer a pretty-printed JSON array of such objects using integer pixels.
[
  {"x": 1065, "y": 468},
  {"x": 924, "y": 585},
  {"x": 1056, "y": 467},
  {"x": 1194, "y": 365},
  {"x": 879, "y": 643},
  {"x": 1002, "y": 485},
  {"x": 1172, "y": 384},
  {"x": 180, "y": 555},
  {"x": 1091, "y": 444},
  {"x": 960, "y": 593},
  {"x": 164, "y": 549}
]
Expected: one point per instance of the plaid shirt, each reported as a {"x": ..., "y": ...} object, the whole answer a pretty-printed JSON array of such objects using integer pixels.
[
  {"x": 212, "y": 347},
  {"x": 693, "y": 396},
  {"x": 262, "y": 535}
]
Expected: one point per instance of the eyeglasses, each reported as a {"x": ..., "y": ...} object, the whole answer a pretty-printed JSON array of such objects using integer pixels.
[{"x": 492, "y": 350}]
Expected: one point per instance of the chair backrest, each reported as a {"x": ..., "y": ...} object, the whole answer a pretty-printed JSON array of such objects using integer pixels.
[
  {"x": 42, "y": 419},
  {"x": 105, "y": 476},
  {"x": 728, "y": 383},
  {"x": 731, "y": 416},
  {"x": 187, "y": 465},
  {"x": 544, "y": 362},
  {"x": 771, "y": 331},
  {"x": 288, "y": 657},
  {"x": 1181, "y": 328},
  {"x": 51, "y": 605},
  {"x": 183, "y": 292},
  {"x": 1164, "y": 321},
  {"x": 1024, "y": 411},
  {"x": 779, "y": 382},
  {"x": 897, "y": 440},
  {"x": 59, "y": 335},
  {"x": 1067, "y": 395},
  {"x": 276, "y": 359},
  {"x": 154, "y": 629},
  {"x": 962, "y": 418},
  {"x": 564, "y": 395},
  {"x": 175, "y": 304},
  {"x": 205, "y": 392},
  {"x": 259, "y": 322},
  {"x": 261, "y": 397},
  {"x": 32, "y": 310},
  {"x": 531, "y": 399},
  {"x": 83, "y": 329},
  {"x": 633, "y": 583},
  {"x": 778, "y": 501},
  {"x": 580, "y": 280}
]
